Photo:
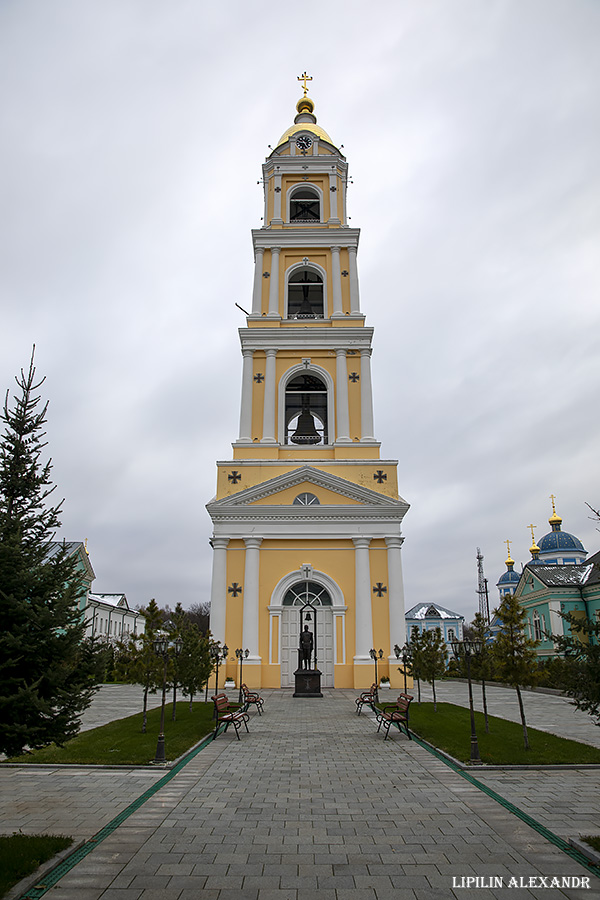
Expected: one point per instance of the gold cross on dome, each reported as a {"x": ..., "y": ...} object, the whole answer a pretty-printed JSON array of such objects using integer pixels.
[
  {"x": 532, "y": 534},
  {"x": 304, "y": 77},
  {"x": 507, "y": 542}
]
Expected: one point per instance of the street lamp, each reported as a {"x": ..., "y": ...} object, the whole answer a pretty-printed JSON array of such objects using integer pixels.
[
  {"x": 241, "y": 655},
  {"x": 467, "y": 649},
  {"x": 164, "y": 647},
  {"x": 404, "y": 655},
  {"x": 375, "y": 656},
  {"x": 218, "y": 655}
]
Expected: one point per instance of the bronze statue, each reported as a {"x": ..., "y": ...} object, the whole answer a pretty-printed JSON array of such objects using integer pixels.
[{"x": 306, "y": 647}]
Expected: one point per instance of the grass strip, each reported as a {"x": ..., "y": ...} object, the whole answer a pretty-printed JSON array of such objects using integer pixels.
[
  {"x": 22, "y": 854},
  {"x": 449, "y": 729},
  {"x": 122, "y": 743}
]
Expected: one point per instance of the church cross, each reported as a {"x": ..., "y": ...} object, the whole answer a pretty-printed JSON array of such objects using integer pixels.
[
  {"x": 380, "y": 589},
  {"x": 259, "y": 377},
  {"x": 380, "y": 476},
  {"x": 304, "y": 78},
  {"x": 532, "y": 534},
  {"x": 353, "y": 376},
  {"x": 553, "y": 498},
  {"x": 234, "y": 477},
  {"x": 507, "y": 542},
  {"x": 235, "y": 589}
]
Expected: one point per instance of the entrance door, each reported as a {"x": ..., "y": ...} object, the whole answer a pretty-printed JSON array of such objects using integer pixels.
[{"x": 296, "y": 597}]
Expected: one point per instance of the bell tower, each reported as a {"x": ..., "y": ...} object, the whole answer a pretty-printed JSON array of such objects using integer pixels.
[{"x": 306, "y": 509}]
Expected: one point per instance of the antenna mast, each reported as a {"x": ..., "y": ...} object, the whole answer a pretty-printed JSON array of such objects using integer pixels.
[{"x": 482, "y": 589}]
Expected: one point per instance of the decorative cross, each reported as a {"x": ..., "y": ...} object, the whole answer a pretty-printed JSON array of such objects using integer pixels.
[
  {"x": 532, "y": 534},
  {"x": 354, "y": 377},
  {"x": 307, "y": 571},
  {"x": 507, "y": 542},
  {"x": 344, "y": 274},
  {"x": 235, "y": 589},
  {"x": 306, "y": 363},
  {"x": 380, "y": 589},
  {"x": 333, "y": 189},
  {"x": 266, "y": 274},
  {"x": 379, "y": 476},
  {"x": 277, "y": 190},
  {"x": 234, "y": 477},
  {"x": 304, "y": 78},
  {"x": 259, "y": 377},
  {"x": 305, "y": 260}
]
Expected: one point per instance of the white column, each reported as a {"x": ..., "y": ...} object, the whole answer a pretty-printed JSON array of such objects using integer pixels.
[
  {"x": 269, "y": 406},
  {"x": 277, "y": 220},
  {"x": 395, "y": 593},
  {"x": 366, "y": 397},
  {"x": 246, "y": 404},
  {"x": 362, "y": 599},
  {"x": 258, "y": 280},
  {"x": 353, "y": 275},
  {"x": 274, "y": 282},
  {"x": 250, "y": 590},
  {"x": 218, "y": 590},
  {"x": 333, "y": 213},
  {"x": 336, "y": 283},
  {"x": 341, "y": 385}
]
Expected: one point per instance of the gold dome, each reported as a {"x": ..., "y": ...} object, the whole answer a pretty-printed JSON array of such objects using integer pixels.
[{"x": 305, "y": 120}]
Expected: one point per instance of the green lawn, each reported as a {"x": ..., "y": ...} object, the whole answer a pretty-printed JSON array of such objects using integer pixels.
[
  {"x": 122, "y": 742},
  {"x": 21, "y": 854},
  {"x": 449, "y": 729}
]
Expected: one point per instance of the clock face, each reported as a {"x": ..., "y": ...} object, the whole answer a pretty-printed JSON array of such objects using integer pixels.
[{"x": 304, "y": 142}]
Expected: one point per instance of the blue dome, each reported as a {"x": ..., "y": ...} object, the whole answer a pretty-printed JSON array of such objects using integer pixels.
[
  {"x": 509, "y": 577},
  {"x": 560, "y": 540}
]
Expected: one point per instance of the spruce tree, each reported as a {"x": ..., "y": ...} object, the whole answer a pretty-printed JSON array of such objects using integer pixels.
[
  {"x": 47, "y": 669},
  {"x": 515, "y": 659}
]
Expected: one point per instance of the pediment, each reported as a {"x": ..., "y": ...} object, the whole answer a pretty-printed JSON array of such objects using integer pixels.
[{"x": 330, "y": 489}]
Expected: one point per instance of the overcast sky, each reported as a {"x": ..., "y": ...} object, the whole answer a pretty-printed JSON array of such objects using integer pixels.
[{"x": 132, "y": 134}]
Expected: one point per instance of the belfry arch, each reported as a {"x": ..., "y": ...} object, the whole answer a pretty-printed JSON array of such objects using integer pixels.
[{"x": 290, "y": 401}]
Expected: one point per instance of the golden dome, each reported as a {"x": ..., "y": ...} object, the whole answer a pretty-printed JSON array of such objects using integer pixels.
[{"x": 305, "y": 120}]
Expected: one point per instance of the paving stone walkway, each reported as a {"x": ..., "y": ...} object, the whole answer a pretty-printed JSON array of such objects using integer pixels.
[{"x": 311, "y": 804}]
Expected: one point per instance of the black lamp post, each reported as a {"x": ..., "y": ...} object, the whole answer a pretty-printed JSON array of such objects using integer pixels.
[
  {"x": 218, "y": 655},
  {"x": 164, "y": 647},
  {"x": 375, "y": 656},
  {"x": 404, "y": 655},
  {"x": 469, "y": 649},
  {"x": 241, "y": 655}
]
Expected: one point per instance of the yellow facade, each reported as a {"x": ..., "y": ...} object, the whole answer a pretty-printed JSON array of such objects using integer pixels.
[{"x": 306, "y": 510}]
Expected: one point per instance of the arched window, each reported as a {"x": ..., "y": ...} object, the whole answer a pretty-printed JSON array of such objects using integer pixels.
[
  {"x": 305, "y": 205},
  {"x": 305, "y": 411},
  {"x": 305, "y": 295},
  {"x": 537, "y": 626},
  {"x": 306, "y": 500},
  {"x": 307, "y": 592}
]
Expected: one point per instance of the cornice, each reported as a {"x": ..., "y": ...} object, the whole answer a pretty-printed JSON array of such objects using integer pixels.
[
  {"x": 341, "y": 513},
  {"x": 291, "y": 236},
  {"x": 302, "y": 336},
  {"x": 302, "y": 164}
]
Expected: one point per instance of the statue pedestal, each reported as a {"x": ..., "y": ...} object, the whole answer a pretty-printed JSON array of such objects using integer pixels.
[{"x": 308, "y": 683}]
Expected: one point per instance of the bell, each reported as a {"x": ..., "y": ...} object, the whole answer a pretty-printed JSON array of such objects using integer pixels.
[
  {"x": 306, "y": 310},
  {"x": 305, "y": 432},
  {"x": 307, "y": 617}
]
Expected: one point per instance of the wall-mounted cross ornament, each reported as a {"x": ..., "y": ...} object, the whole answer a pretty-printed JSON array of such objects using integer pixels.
[
  {"x": 333, "y": 188},
  {"x": 259, "y": 377},
  {"x": 379, "y": 476},
  {"x": 235, "y": 589},
  {"x": 277, "y": 190},
  {"x": 266, "y": 274},
  {"x": 234, "y": 477},
  {"x": 380, "y": 589},
  {"x": 344, "y": 274},
  {"x": 354, "y": 377}
]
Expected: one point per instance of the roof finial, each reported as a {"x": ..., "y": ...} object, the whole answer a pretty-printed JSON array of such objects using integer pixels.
[
  {"x": 534, "y": 549},
  {"x": 554, "y": 520},
  {"x": 304, "y": 78},
  {"x": 509, "y": 562}
]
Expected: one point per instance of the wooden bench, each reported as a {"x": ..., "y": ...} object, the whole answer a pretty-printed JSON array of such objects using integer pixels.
[
  {"x": 249, "y": 697},
  {"x": 396, "y": 714},
  {"x": 367, "y": 697},
  {"x": 228, "y": 715}
]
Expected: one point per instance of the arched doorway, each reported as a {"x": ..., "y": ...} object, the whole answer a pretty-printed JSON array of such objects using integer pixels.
[{"x": 294, "y": 598}]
